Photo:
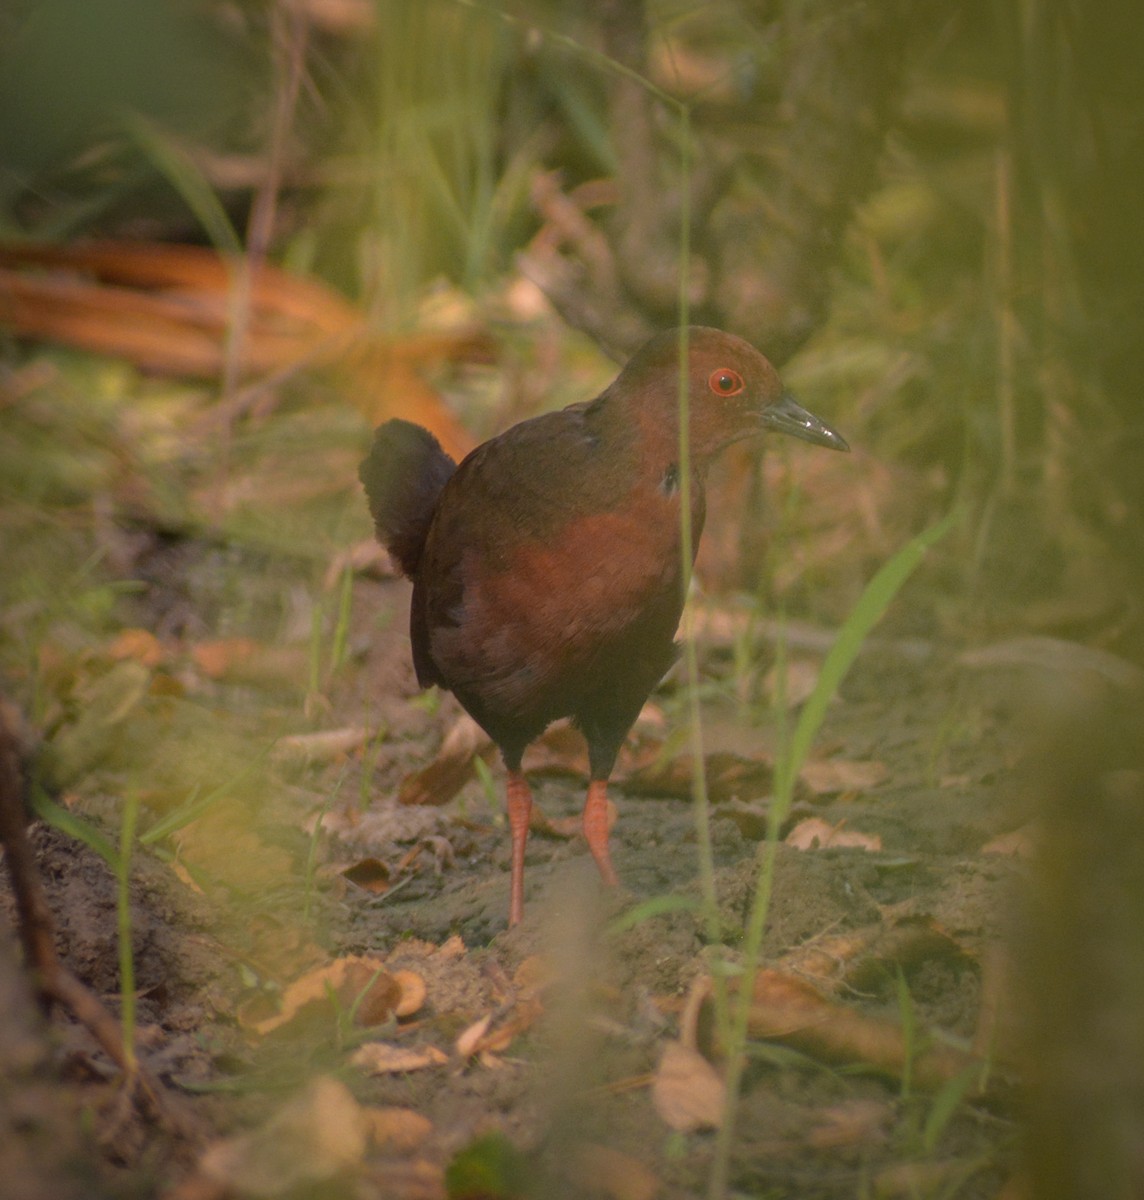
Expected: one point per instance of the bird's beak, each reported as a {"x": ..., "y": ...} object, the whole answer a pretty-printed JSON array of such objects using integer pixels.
[{"x": 788, "y": 416}]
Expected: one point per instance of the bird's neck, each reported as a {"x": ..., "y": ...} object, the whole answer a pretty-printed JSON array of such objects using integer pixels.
[{"x": 649, "y": 431}]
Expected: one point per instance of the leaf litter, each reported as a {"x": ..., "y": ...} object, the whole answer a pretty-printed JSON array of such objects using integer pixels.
[{"x": 283, "y": 758}]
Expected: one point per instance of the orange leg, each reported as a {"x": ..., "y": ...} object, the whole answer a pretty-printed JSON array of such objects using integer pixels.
[
  {"x": 519, "y": 800},
  {"x": 596, "y": 829}
]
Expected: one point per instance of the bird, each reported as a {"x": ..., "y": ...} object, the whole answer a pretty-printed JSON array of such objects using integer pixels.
[{"x": 547, "y": 566}]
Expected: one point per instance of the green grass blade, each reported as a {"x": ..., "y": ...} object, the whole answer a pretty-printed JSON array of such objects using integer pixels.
[
  {"x": 655, "y": 906},
  {"x": 187, "y": 180},
  {"x": 74, "y": 826},
  {"x": 873, "y": 602}
]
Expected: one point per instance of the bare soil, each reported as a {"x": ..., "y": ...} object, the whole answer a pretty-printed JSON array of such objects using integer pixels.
[{"x": 216, "y": 945}]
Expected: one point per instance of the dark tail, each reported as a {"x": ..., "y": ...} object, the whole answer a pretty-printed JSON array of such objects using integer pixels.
[{"x": 403, "y": 476}]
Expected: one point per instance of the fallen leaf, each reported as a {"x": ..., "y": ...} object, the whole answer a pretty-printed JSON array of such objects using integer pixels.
[
  {"x": 688, "y": 1092},
  {"x": 216, "y": 658},
  {"x": 413, "y": 993},
  {"x": 1056, "y": 654},
  {"x": 452, "y": 947},
  {"x": 851, "y": 1123},
  {"x": 800, "y": 676},
  {"x": 407, "y": 1179},
  {"x": 355, "y": 982},
  {"x": 246, "y": 661},
  {"x": 496, "y": 1031},
  {"x": 729, "y": 776},
  {"x": 561, "y": 827},
  {"x": 185, "y": 877},
  {"x": 323, "y": 746},
  {"x": 166, "y": 308},
  {"x": 791, "y": 1011},
  {"x": 860, "y": 958},
  {"x": 224, "y": 843},
  {"x": 842, "y": 775},
  {"x": 816, "y": 834},
  {"x": 566, "y": 827},
  {"x": 469, "y": 1038},
  {"x": 397, "y": 1129},
  {"x": 318, "y": 1135},
  {"x": 370, "y": 874},
  {"x": 600, "y": 1170},
  {"x": 384, "y": 1058},
  {"x": 1019, "y": 843},
  {"x": 961, "y": 780},
  {"x": 911, "y": 1179},
  {"x": 444, "y": 777},
  {"x": 138, "y": 644}
]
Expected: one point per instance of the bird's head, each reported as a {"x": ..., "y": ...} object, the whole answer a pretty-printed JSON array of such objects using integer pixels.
[{"x": 733, "y": 392}]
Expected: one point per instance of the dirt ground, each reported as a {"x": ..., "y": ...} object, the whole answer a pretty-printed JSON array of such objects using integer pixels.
[
  {"x": 324, "y": 984},
  {"x": 219, "y": 936}
]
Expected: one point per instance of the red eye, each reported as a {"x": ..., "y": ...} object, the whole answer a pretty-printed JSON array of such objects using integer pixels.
[{"x": 726, "y": 382}]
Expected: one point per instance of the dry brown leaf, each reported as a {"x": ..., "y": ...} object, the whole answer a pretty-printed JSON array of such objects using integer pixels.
[
  {"x": 729, "y": 776},
  {"x": 851, "y": 1123},
  {"x": 469, "y": 1039},
  {"x": 246, "y": 661},
  {"x": 185, "y": 877},
  {"x": 396, "y": 1129},
  {"x": 602, "y": 1171},
  {"x": 565, "y": 827},
  {"x": 370, "y": 874},
  {"x": 453, "y": 947},
  {"x": 791, "y": 1011},
  {"x": 444, "y": 777},
  {"x": 318, "y": 1135},
  {"x": 911, "y": 1179},
  {"x": 384, "y": 1058},
  {"x": 959, "y": 780},
  {"x": 413, "y": 993},
  {"x": 216, "y": 658},
  {"x": 825, "y": 959},
  {"x": 647, "y": 766},
  {"x": 800, "y": 679},
  {"x": 561, "y": 827},
  {"x": 1057, "y": 655},
  {"x": 322, "y": 746},
  {"x": 138, "y": 644},
  {"x": 907, "y": 943},
  {"x": 561, "y": 751},
  {"x": 407, "y": 1179},
  {"x": 688, "y": 1092},
  {"x": 496, "y": 1031},
  {"x": 842, "y": 775},
  {"x": 815, "y": 834},
  {"x": 168, "y": 308},
  {"x": 1019, "y": 843},
  {"x": 354, "y": 980},
  {"x": 690, "y": 1008},
  {"x": 385, "y": 379},
  {"x": 223, "y": 842}
]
